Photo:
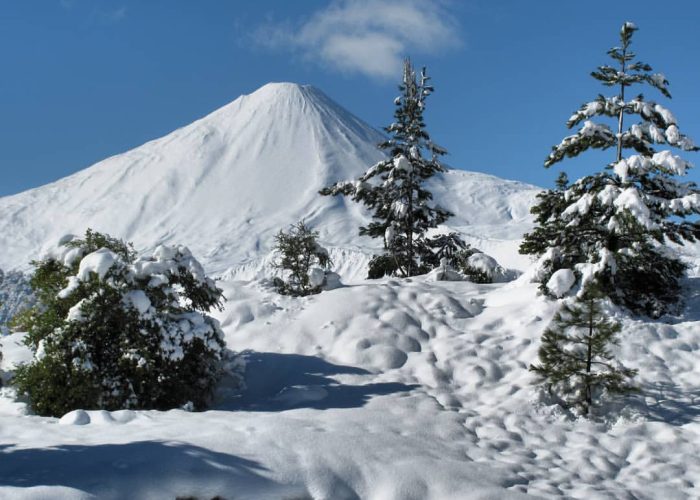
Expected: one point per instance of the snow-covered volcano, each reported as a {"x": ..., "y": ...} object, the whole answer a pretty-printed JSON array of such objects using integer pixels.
[{"x": 225, "y": 184}]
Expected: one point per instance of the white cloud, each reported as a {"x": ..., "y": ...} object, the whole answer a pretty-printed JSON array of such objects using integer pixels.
[
  {"x": 115, "y": 15},
  {"x": 99, "y": 11},
  {"x": 368, "y": 36}
]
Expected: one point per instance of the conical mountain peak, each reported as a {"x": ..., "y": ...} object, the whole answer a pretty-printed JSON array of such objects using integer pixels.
[
  {"x": 223, "y": 184},
  {"x": 227, "y": 183}
]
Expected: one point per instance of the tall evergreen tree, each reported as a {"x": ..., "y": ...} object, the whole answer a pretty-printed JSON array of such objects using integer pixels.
[
  {"x": 575, "y": 360},
  {"x": 394, "y": 188},
  {"x": 612, "y": 227}
]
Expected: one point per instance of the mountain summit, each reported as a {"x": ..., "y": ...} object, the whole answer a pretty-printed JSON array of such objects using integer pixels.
[{"x": 225, "y": 184}]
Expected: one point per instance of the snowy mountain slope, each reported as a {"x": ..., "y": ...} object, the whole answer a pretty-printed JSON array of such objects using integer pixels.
[{"x": 225, "y": 184}]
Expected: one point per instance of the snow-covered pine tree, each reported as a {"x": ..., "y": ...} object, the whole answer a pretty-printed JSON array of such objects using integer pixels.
[
  {"x": 305, "y": 261},
  {"x": 612, "y": 227},
  {"x": 575, "y": 361},
  {"x": 394, "y": 188}
]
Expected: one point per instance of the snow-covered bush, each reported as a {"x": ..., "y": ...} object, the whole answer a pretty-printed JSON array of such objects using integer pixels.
[
  {"x": 479, "y": 267},
  {"x": 612, "y": 227},
  {"x": 382, "y": 265},
  {"x": 115, "y": 331},
  {"x": 441, "y": 246},
  {"x": 304, "y": 262},
  {"x": 472, "y": 265}
]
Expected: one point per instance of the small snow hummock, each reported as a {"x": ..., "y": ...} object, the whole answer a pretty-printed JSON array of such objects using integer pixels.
[
  {"x": 75, "y": 417},
  {"x": 445, "y": 272},
  {"x": 561, "y": 282},
  {"x": 482, "y": 262},
  {"x": 317, "y": 276},
  {"x": 491, "y": 268}
]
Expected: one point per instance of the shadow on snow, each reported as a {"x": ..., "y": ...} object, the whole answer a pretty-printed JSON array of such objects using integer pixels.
[
  {"x": 667, "y": 402},
  {"x": 135, "y": 470},
  {"x": 276, "y": 382},
  {"x": 690, "y": 305}
]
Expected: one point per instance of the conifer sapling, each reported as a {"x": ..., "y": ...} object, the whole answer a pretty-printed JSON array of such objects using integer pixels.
[
  {"x": 305, "y": 261},
  {"x": 575, "y": 358}
]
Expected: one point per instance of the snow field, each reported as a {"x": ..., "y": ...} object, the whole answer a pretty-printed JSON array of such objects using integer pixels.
[
  {"x": 474, "y": 362},
  {"x": 384, "y": 390}
]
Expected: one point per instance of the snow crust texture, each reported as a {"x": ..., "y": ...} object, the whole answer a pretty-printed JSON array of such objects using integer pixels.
[{"x": 406, "y": 389}]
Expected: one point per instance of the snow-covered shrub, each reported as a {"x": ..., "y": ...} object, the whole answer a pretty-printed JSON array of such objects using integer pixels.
[
  {"x": 304, "y": 262},
  {"x": 116, "y": 331},
  {"x": 442, "y": 246},
  {"x": 382, "y": 265},
  {"x": 472, "y": 265},
  {"x": 478, "y": 267}
]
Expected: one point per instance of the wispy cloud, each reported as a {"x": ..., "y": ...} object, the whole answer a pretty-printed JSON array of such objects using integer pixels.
[
  {"x": 98, "y": 10},
  {"x": 370, "y": 37},
  {"x": 114, "y": 15}
]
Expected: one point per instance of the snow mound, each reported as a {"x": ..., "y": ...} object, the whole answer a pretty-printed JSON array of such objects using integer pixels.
[
  {"x": 493, "y": 271},
  {"x": 561, "y": 282},
  {"x": 382, "y": 336},
  {"x": 97, "y": 417}
]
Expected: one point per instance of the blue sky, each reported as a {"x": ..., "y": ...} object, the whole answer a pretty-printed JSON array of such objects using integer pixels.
[{"x": 86, "y": 79}]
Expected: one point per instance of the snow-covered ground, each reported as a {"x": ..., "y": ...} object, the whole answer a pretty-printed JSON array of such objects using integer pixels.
[{"x": 395, "y": 389}]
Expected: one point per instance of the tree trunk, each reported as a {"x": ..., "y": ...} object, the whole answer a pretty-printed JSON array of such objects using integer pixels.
[
  {"x": 409, "y": 223},
  {"x": 589, "y": 359},
  {"x": 622, "y": 110}
]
